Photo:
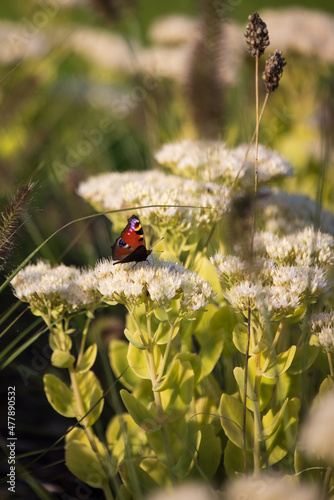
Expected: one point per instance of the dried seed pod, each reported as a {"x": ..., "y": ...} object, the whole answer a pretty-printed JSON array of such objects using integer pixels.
[
  {"x": 257, "y": 36},
  {"x": 273, "y": 71}
]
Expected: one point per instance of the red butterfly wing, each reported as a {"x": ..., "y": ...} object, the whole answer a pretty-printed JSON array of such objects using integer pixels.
[{"x": 130, "y": 246}]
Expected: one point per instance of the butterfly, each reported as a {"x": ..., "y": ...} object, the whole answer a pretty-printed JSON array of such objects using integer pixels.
[{"x": 130, "y": 246}]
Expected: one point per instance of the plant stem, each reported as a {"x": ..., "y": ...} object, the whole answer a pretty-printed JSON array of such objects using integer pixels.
[
  {"x": 257, "y": 120},
  {"x": 150, "y": 362},
  {"x": 273, "y": 345},
  {"x": 164, "y": 359},
  {"x": 326, "y": 483},
  {"x": 250, "y": 144},
  {"x": 330, "y": 363},
  {"x": 88, "y": 430},
  {"x": 83, "y": 340},
  {"x": 244, "y": 409}
]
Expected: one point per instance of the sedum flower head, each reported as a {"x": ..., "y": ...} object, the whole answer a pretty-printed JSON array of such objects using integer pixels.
[
  {"x": 322, "y": 325},
  {"x": 264, "y": 487},
  {"x": 133, "y": 189},
  {"x": 285, "y": 213},
  {"x": 56, "y": 291},
  {"x": 301, "y": 248},
  {"x": 161, "y": 282},
  {"x": 212, "y": 161},
  {"x": 272, "y": 288},
  {"x": 317, "y": 436}
]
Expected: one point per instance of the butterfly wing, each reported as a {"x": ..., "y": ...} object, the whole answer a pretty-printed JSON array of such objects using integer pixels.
[{"x": 130, "y": 246}]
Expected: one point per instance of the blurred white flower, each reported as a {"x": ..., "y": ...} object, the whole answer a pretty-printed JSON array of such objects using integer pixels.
[
  {"x": 317, "y": 435},
  {"x": 322, "y": 325},
  {"x": 264, "y": 487},
  {"x": 192, "y": 491},
  {"x": 212, "y": 161},
  {"x": 134, "y": 189},
  {"x": 285, "y": 213}
]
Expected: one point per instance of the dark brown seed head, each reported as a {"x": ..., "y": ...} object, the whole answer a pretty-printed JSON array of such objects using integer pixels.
[
  {"x": 273, "y": 71},
  {"x": 257, "y": 36}
]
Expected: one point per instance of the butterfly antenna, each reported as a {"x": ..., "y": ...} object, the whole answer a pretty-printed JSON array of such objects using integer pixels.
[{"x": 157, "y": 242}]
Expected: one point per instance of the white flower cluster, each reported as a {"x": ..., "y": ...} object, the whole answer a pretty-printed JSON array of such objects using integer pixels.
[
  {"x": 159, "y": 281},
  {"x": 285, "y": 213},
  {"x": 288, "y": 272},
  {"x": 212, "y": 161},
  {"x": 133, "y": 189},
  {"x": 322, "y": 324},
  {"x": 56, "y": 291},
  {"x": 302, "y": 248},
  {"x": 317, "y": 436}
]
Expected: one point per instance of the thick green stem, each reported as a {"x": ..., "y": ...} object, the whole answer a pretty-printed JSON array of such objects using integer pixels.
[
  {"x": 244, "y": 409},
  {"x": 330, "y": 363},
  {"x": 257, "y": 418},
  {"x": 164, "y": 359},
  {"x": 83, "y": 340},
  {"x": 273, "y": 345},
  {"x": 88, "y": 431}
]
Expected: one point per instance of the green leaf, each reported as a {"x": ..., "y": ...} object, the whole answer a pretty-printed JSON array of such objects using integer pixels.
[
  {"x": 234, "y": 460},
  {"x": 125, "y": 438},
  {"x": 88, "y": 359},
  {"x": 61, "y": 359},
  {"x": 54, "y": 344},
  {"x": 240, "y": 334},
  {"x": 231, "y": 413},
  {"x": 177, "y": 437},
  {"x": 163, "y": 333},
  {"x": 176, "y": 399},
  {"x": 158, "y": 471},
  {"x": 273, "y": 419},
  {"x": 118, "y": 350},
  {"x": 303, "y": 359},
  {"x": 136, "y": 359},
  {"x": 280, "y": 363},
  {"x": 135, "y": 477},
  {"x": 223, "y": 322},
  {"x": 209, "y": 451},
  {"x": 267, "y": 386},
  {"x": 283, "y": 440},
  {"x": 146, "y": 419},
  {"x": 211, "y": 342},
  {"x": 160, "y": 314},
  {"x": 60, "y": 396},
  {"x": 91, "y": 394},
  {"x": 134, "y": 339},
  {"x": 84, "y": 463},
  {"x": 190, "y": 443},
  {"x": 327, "y": 385},
  {"x": 172, "y": 375}
]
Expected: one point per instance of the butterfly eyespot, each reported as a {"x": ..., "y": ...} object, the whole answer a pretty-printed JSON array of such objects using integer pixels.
[{"x": 130, "y": 245}]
